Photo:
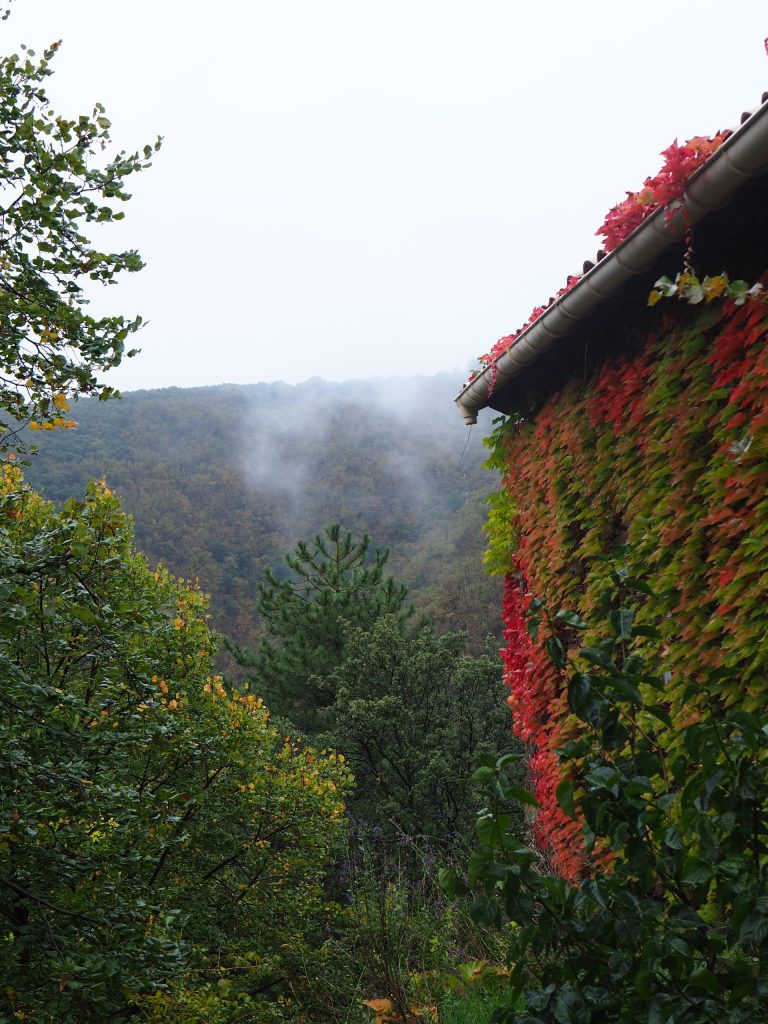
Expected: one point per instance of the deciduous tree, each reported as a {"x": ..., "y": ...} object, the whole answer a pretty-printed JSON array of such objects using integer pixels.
[
  {"x": 411, "y": 712},
  {"x": 54, "y": 185},
  {"x": 160, "y": 841}
]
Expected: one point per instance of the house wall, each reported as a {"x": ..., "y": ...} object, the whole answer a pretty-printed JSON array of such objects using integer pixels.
[{"x": 659, "y": 460}]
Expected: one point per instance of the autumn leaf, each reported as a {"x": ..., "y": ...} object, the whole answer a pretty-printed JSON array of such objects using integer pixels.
[
  {"x": 382, "y": 1008},
  {"x": 714, "y": 287}
]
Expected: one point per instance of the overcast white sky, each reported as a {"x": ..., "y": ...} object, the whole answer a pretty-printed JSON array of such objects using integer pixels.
[{"x": 353, "y": 188}]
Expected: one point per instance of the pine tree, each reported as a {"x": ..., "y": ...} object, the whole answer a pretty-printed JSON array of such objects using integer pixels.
[{"x": 333, "y": 584}]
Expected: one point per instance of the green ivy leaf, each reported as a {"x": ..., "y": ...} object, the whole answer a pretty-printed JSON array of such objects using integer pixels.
[
  {"x": 570, "y": 1007},
  {"x": 571, "y": 619},
  {"x": 564, "y": 795},
  {"x": 696, "y": 871},
  {"x": 621, "y": 622},
  {"x": 485, "y": 912}
]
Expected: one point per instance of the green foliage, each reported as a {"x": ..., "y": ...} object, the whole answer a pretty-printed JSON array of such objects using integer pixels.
[
  {"x": 401, "y": 939},
  {"x": 651, "y": 447},
  {"x": 410, "y": 713},
  {"x": 660, "y": 452},
  {"x": 671, "y": 925},
  {"x": 50, "y": 188},
  {"x": 160, "y": 842},
  {"x": 334, "y": 585},
  {"x": 501, "y": 530},
  {"x": 688, "y": 288},
  {"x": 501, "y": 526},
  {"x": 470, "y": 1008},
  {"x": 409, "y": 710}
]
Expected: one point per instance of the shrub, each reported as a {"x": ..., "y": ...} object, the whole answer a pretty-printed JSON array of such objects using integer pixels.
[{"x": 160, "y": 842}]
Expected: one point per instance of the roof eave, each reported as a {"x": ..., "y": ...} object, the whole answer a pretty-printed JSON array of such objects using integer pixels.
[{"x": 742, "y": 156}]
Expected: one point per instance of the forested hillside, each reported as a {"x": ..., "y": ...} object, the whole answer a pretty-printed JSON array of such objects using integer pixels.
[{"x": 222, "y": 480}]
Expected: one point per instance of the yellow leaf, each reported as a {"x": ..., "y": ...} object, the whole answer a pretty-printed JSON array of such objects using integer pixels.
[
  {"x": 713, "y": 287},
  {"x": 654, "y": 297},
  {"x": 61, "y": 403},
  {"x": 381, "y": 1007}
]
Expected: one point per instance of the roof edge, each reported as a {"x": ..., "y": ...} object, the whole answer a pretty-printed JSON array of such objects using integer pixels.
[{"x": 742, "y": 156}]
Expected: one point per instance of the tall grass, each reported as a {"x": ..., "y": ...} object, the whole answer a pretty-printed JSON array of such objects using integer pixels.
[{"x": 473, "y": 1008}]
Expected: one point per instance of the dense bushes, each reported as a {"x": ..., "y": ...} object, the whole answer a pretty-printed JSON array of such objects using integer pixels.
[
  {"x": 160, "y": 842},
  {"x": 164, "y": 850},
  {"x": 412, "y": 713}
]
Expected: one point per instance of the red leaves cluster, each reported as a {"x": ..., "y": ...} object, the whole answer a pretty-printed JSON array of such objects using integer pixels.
[
  {"x": 731, "y": 357},
  {"x": 739, "y": 360},
  {"x": 505, "y": 343},
  {"x": 658, "y": 192},
  {"x": 622, "y": 391},
  {"x": 528, "y": 672},
  {"x": 536, "y": 695}
]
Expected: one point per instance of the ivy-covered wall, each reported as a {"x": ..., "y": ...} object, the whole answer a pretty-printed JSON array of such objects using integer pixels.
[{"x": 660, "y": 460}]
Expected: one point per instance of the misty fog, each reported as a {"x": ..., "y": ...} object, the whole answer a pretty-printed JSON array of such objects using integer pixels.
[{"x": 222, "y": 481}]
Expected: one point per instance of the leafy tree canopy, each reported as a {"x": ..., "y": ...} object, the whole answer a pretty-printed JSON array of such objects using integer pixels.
[
  {"x": 343, "y": 659},
  {"x": 52, "y": 187},
  {"x": 411, "y": 713},
  {"x": 161, "y": 844},
  {"x": 222, "y": 480}
]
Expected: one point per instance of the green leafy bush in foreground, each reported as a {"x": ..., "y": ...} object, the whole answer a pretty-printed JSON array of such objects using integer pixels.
[
  {"x": 161, "y": 845},
  {"x": 671, "y": 925}
]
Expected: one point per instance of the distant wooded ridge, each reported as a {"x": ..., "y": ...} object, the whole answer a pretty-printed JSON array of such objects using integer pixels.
[{"x": 221, "y": 481}]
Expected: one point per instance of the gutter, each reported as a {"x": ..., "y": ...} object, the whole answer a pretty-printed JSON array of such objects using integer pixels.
[{"x": 742, "y": 156}]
